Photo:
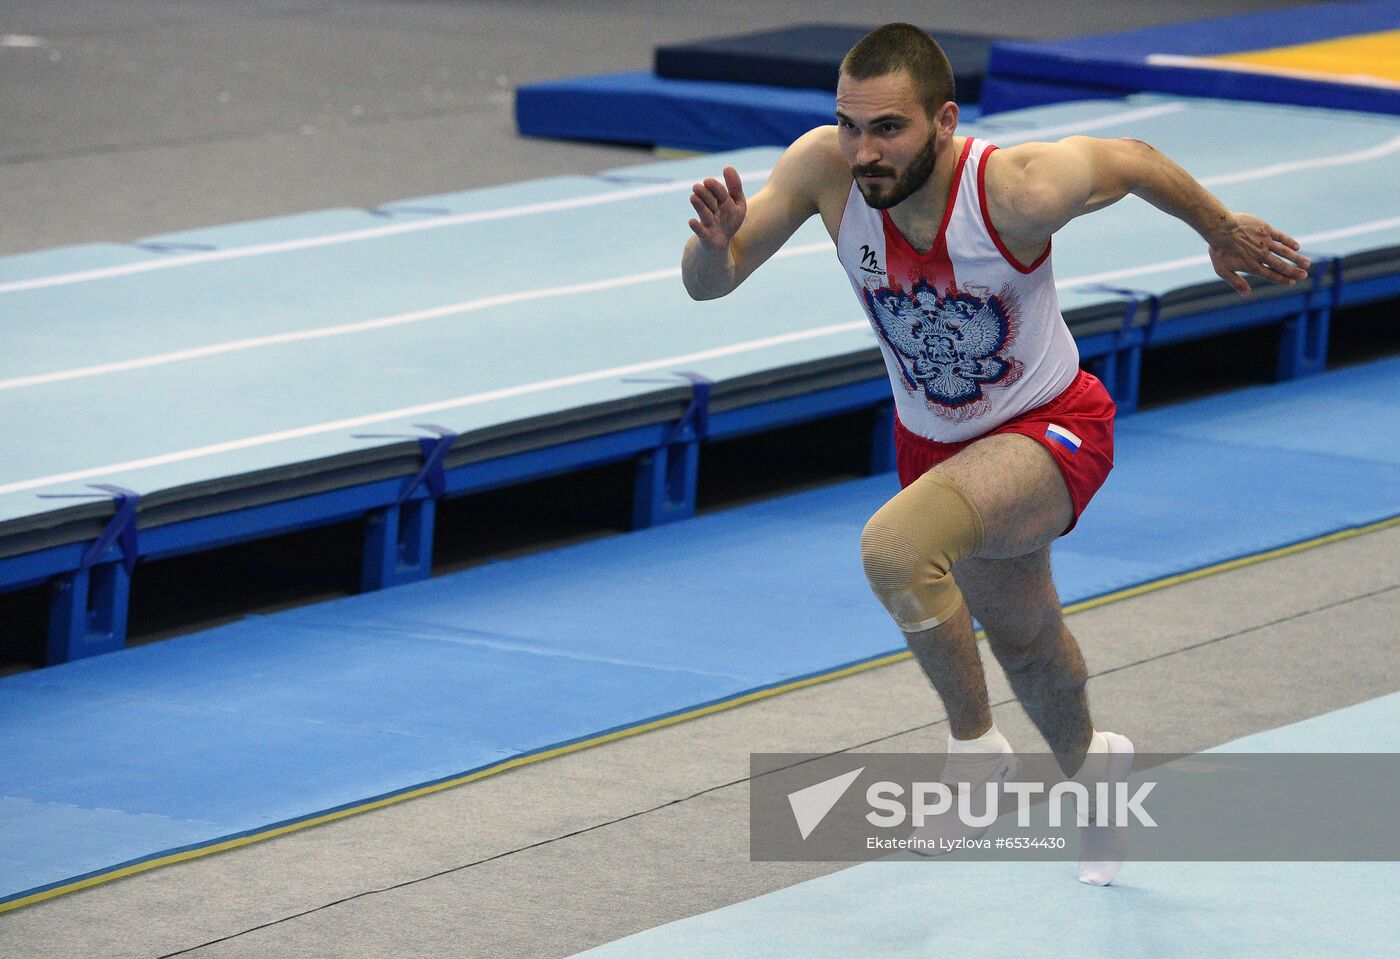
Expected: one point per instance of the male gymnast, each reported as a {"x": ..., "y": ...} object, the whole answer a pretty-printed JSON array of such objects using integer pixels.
[{"x": 1001, "y": 440}]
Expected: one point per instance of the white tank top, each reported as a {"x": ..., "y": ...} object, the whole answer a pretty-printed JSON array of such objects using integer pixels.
[{"x": 971, "y": 337}]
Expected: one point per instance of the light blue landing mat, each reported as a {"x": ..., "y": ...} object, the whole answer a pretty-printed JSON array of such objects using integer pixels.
[
  {"x": 223, "y": 360},
  {"x": 1034, "y": 909},
  {"x": 128, "y": 757}
]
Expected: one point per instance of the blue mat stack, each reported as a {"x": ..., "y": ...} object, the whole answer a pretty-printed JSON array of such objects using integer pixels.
[
  {"x": 807, "y": 55},
  {"x": 1204, "y": 58},
  {"x": 759, "y": 89},
  {"x": 767, "y": 88}
]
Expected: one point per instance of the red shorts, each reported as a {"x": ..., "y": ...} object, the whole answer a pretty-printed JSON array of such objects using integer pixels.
[{"x": 1081, "y": 440}]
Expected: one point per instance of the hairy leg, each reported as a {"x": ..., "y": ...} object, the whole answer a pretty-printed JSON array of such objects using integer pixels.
[
  {"x": 1024, "y": 505},
  {"x": 1014, "y": 482},
  {"x": 1016, "y": 602},
  {"x": 948, "y": 656}
]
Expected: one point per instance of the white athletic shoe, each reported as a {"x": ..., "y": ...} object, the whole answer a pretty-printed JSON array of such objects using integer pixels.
[
  {"x": 1102, "y": 849},
  {"x": 940, "y": 836}
]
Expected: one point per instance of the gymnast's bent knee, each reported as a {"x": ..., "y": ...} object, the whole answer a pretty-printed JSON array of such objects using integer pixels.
[{"x": 910, "y": 545}]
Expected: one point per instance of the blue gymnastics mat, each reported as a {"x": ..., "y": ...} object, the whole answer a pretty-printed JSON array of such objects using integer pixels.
[
  {"x": 257, "y": 378},
  {"x": 1155, "y": 910},
  {"x": 681, "y": 114},
  {"x": 126, "y": 760},
  {"x": 1218, "y": 57},
  {"x": 641, "y": 107},
  {"x": 249, "y": 356}
]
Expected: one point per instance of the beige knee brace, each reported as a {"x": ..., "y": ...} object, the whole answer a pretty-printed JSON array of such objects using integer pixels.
[{"x": 909, "y": 548}]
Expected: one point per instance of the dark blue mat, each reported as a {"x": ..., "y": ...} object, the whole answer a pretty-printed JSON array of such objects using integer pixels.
[
  {"x": 807, "y": 55},
  {"x": 126, "y": 759},
  {"x": 1032, "y": 73}
]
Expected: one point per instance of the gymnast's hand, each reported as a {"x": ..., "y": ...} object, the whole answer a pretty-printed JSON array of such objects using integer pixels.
[
  {"x": 1249, "y": 245},
  {"x": 721, "y": 207}
]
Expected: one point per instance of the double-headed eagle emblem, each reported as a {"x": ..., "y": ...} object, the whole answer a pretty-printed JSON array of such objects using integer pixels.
[{"x": 948, "y": 346}]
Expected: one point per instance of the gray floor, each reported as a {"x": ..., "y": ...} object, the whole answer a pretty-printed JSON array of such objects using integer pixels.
[
  {"x": 577, "y": 851},
  {"x": 124, "y": 121}
]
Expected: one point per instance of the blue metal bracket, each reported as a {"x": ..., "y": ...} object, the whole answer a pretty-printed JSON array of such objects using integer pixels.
[
  {"x": 1121, "y": 369},
  {"x": 434, "y": 450},
  {"x": 1302, "y": 347},
  {"x": 668, "y": 476},
  {"x": 399, "y": 538},
  {"x": 88, "y": 607}
]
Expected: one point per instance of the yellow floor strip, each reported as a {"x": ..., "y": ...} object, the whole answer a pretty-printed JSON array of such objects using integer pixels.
[
  {"x": 1374, "y": 55},
  {"x": 637, "y": 730},
  {"x": 674, "y": 153}
]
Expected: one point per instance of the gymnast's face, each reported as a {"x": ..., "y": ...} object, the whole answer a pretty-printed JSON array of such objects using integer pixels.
[{"x": 887, "y": 138}]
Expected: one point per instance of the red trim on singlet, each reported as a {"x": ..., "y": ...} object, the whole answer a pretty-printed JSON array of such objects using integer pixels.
[
  {"x": 987, "y": 218},
  {"x": 934, "y": 266}
]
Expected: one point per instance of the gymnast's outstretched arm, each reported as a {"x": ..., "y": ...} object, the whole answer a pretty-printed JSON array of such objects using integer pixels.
[
  {"x": 1036, "y": 188},
  {"x": 734, "y": 235}
]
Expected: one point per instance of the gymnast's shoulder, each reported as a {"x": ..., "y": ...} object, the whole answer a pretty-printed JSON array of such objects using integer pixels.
[{"x": 813, "y": 168}]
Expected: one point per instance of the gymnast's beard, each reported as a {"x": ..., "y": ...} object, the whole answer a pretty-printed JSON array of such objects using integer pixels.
[{"x": 906, "y": 184}]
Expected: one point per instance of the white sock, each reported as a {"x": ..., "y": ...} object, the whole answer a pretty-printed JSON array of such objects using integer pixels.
[
  {"x": 975, "y": 761},
  {"x": 992, "y": 741},
  {"x": 1102, "y": 849}
]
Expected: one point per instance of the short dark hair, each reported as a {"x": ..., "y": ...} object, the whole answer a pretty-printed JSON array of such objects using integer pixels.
[{"x": 899, "y": 46}]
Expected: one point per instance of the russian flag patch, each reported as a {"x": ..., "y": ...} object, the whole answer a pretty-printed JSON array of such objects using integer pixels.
[{"x": 1063, "y": 436}]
